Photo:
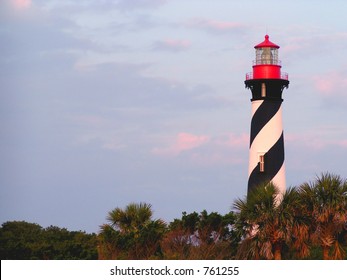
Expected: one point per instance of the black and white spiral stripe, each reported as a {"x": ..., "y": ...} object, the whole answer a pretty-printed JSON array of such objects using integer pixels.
[{"x": 267, "y": 139}]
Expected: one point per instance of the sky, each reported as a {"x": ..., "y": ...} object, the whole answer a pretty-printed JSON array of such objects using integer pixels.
[{"x": 104, "y": 103}]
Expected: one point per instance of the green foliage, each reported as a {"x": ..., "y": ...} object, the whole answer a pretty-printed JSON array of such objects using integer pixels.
[
  {"x": 131, "y": 233},
  {"x": 270, "y": 223},
  {"x": 325, "y": 202},
  {"x": 19, "y": 240},
  {"x": 309, "y": 222},
  {"x": 25, "y": 241},
  {"x": 200, "y": 236},
  {"x": 132, "y": 219}
]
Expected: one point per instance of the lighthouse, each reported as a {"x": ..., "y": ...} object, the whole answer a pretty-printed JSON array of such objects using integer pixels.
[{"x": 266, "y": 150}]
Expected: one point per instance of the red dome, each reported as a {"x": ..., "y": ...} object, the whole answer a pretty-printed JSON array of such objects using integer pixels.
[{"x": 267, "y": 44}]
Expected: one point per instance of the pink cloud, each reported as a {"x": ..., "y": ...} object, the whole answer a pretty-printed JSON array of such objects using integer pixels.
[
  {"x": 309, "y": 140},
  {"x": 214, "y": 25},
  {"x": 236, "y": 141},
  {"x": 343, "y": 143},
  {"x": 225, "y": 149},
  {"x": 309, "y": 44},
  {"x": 316, "y": 140},
  {"x": 172, "y": 45},
  {"x": 331, "y": 84},
  {"x": 138, "y": 4},
  {"x": 298, "y": 45},
  {"x": 21, "y": 4},
  {"x": 182, "y": 142},
  {"x": 221, "y": 25},
  {"x": 186, "y": 141}
]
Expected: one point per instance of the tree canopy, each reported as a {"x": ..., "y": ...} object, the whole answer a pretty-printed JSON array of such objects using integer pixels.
[{"x": 21, "y": 240}]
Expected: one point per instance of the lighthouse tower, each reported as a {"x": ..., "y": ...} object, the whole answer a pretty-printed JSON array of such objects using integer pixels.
[{"x": 266, "y": 152}]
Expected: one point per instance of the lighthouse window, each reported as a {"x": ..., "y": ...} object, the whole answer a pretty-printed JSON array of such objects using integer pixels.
[
  {"x": 262, "y": 163},
  {"x": 267, "y": 56},
  {"x": 263, "y": 90}
]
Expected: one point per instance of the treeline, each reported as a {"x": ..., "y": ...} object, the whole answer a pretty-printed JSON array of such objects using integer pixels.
[
  {"x": 133, "y": 234},
  {"x": 306, "y": 222},
  {"x": 20, "y": 240}
]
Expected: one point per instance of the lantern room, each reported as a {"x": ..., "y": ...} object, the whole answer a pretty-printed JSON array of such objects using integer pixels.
[{"x": 266, "y": 64}]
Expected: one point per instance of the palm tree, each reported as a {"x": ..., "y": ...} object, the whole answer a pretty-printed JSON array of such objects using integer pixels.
[
  {"x": 132, "y": 219},
  {"x": 131, "y": 233},
  {"x": 269, "y": 225},
  {"x": 326, "y": 203}
]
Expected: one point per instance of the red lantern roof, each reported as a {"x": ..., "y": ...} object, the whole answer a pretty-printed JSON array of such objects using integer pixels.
[{"x": 267, "y": 44}]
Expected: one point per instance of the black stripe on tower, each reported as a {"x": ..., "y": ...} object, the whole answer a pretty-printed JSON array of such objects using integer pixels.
[
  {"x": 262, "y": 116},
  {"x": 274, "y": 160}
]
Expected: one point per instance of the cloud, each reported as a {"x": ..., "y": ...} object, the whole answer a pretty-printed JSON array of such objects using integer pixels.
[
  {"x": 304, "y": 151},
  {"x": 22, "y": 4},
  {"x": 313, "y": 151},
  {"x": 215, "y": 26},
  {"x": 313, "y": 43},
  {"x": 207, "y": 150},
  {"x": 183, "y": 142},
  {"x": 15, "y": 9},
  {"x": 172, "y": 45},
  {"x": 342, "y": 143},
  {"x": 324, "y": 137},
  {"x": 126, "y": 86},
  {"x": 333, "y": 83},
  {"x": 229, "y": 149},
  {"x": 236, "y": 141},
  {"x": 127, "y": 5}
]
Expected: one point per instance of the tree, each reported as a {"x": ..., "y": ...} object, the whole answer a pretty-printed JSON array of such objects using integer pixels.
[
  {"x": 61, "y": 244},
  {"x": 131, "y": 233},
  {"x": 200, "y": 236},
  {"x": 132, "y": 219},
  {"x": 19, "y": 240},
  {"x": 326, "y": 202},
  {"x": 25, "y": 241},
  {"x": 269, "y": 226}
]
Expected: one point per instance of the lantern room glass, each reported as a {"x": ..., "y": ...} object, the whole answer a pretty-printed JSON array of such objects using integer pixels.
[{"x": 266, "y": 55}]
